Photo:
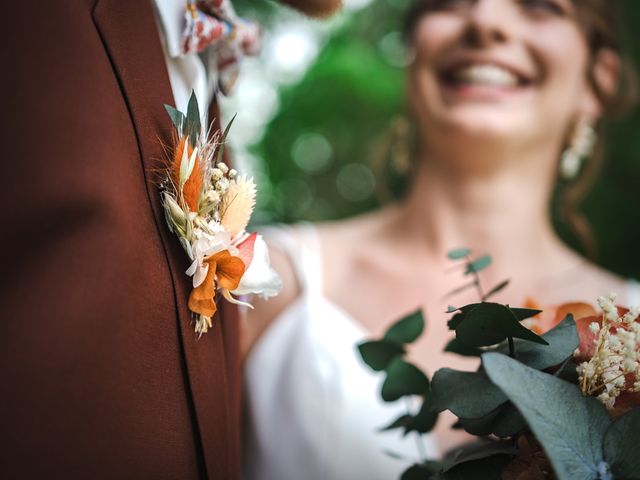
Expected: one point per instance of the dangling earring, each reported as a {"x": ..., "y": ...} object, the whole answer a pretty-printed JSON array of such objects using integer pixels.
[
  {"x": 391, "y": 159},
  {"x": 400, "y": 146},
  {"x": 582, "y": 144}
]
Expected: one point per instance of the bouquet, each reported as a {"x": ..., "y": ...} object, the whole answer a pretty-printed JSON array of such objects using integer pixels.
[{"x": 558, "y": 398}]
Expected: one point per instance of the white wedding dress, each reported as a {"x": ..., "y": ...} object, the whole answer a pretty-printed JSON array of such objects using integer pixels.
[{"x": 313, "y": 407}]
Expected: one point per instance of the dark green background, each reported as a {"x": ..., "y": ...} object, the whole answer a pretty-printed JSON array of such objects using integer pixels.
[{"x": 353, "y": 91}]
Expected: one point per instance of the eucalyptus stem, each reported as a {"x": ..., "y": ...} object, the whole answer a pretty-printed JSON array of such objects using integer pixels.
[
  {"x": 418, "y": 436},
  {"x": 512, "y": 348},
  {"x": 476, "y": 279}
]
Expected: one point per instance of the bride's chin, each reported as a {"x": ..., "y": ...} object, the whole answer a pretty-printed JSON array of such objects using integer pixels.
[
  {"x": 474, "y": 138},
  {"x": 472, "y": 132}
]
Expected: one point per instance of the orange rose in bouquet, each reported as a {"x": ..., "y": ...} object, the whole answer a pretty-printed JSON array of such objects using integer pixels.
[
  {"x": 607, "y": 365},
  {"x": 608, "y": 357}
]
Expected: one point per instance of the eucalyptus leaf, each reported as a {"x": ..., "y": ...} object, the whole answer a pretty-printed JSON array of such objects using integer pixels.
[
  {"x": 478, "y": 265},
  {"x": 423, "y": 421},
  {"x": 562, "y": 340},
  {"x": 403, "y": 379},
  {"x": 480, "y": 426},
  {"x": 503, "y": 422},
  {"x": 458, "y": 253},
  {"x": 400, "y": 422},
  {"x": 194, "y": 126},
  {"x": 491, "y": 323},
  {"x": 466, "y": 394},
  {"x": 569, "y": 425},
  {"x": 177, "y": 117},
  {"x": 524, "y": 313},
  {"x": 480, "y": 449},
  {"x": 621, "y": 446},
  {"x": 416, "y": 472},
  {"x": 568, "y": 372},
  {"x": 396, "y": 455},
  {"x": 508, "y": 422},
  {"x": 378, "y": 354},
  {"x": 420, "y": 471},
  {"x": 489, "y": 468},
  {"x": 461, "y": 315},
  {"x": 456, "y": 346},
  {"x": 224, "y": 138},
  {"x": 407, "y": 329},
  {"x": 498, "y": 288}
]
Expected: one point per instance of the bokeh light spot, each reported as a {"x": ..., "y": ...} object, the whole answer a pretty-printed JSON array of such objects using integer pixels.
[
  {"x": 311, "y": 152},
  {"x": 355, "y": 182}
]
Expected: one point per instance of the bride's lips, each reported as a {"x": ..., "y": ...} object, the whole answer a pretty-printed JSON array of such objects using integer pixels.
[{"x": 483, "y": 78}]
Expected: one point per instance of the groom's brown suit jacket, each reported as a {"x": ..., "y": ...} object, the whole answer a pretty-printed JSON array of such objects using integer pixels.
[{"x": 101, "y": 374}]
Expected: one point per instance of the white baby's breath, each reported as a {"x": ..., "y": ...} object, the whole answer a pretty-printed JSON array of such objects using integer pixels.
[{"x": 616, "y": 354}]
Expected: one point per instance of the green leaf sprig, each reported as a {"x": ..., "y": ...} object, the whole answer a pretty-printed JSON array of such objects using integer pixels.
[
  {"x": 526, "y": 384},
  {"x": 402, "y": 378}
]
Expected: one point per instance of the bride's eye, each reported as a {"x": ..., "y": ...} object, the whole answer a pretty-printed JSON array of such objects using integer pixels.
[{"x": 549, "y": 6}]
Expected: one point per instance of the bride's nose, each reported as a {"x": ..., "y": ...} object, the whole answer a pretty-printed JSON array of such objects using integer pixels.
[{"x": 489, "y": 22}]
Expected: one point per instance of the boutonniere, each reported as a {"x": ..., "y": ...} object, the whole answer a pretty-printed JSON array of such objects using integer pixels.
[{"x": 207, "y": 206}]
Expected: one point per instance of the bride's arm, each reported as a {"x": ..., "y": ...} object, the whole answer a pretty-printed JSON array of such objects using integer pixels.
[{"x": 254, "y": 322}]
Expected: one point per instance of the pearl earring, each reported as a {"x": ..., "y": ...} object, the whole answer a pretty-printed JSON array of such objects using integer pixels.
[{"x": 581, "y": 147}]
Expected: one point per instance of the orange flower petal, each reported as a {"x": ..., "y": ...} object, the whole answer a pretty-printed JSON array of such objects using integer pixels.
[
  {"x": 577, "y": 309},
  {"x": 201, "y": 298},
  {"x": 230, "y": 271},
  {"x": 192, "y": 188},
  {"x": 550, "y": 317}
]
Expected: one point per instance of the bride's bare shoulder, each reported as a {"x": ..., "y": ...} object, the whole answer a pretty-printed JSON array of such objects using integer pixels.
[
  {"x": 599, "y": 281},
  {"x": 337, "y": 240},
  {"x": 587, "y": 281},
  {"x": 355, "y": 232}
]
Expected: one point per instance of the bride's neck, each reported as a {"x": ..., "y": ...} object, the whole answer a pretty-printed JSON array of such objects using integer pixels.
[{"x": 504, "y": 212}]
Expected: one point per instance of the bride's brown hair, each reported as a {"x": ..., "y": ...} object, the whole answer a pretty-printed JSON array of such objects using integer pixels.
[{"x": 599, "y": 20}]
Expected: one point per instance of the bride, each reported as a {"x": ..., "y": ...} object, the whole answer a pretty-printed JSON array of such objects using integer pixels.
[{"x": 505, "y": 96}]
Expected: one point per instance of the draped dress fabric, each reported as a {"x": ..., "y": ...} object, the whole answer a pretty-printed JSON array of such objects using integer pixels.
[
  {"x": 313, "y": 407},
  {"x": 632, "y": 294}
]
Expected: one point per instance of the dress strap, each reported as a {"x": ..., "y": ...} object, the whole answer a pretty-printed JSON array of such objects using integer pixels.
[
  {"x": 633, "y": 293},
  {"x": 301, "y": 244}
]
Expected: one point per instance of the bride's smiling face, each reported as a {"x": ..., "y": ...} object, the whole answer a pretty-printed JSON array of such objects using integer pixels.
[{"x": 513, "y": 69}]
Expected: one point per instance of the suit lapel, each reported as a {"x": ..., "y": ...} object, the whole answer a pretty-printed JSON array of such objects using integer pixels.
[{"x": 132, "y": 42}]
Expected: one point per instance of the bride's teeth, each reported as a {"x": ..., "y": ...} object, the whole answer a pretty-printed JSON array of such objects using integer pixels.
[{"x": 489, "y": 75}]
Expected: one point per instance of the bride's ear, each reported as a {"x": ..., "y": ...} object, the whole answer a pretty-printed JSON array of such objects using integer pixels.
[
  {"x": 315, "y": 8},
  {"x": 604, "y": 83}
]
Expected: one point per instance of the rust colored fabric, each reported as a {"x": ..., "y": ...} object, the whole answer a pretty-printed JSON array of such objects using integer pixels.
[{"x": 102, "y": 375}]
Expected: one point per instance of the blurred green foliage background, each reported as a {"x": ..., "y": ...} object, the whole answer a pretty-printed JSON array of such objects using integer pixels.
[{"x": 322, "y": 148}]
